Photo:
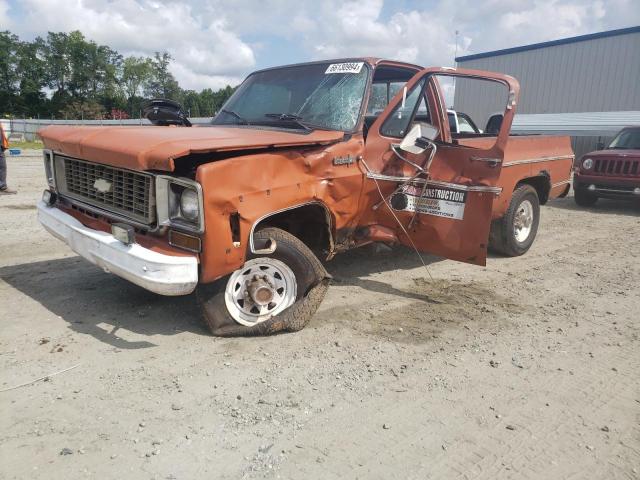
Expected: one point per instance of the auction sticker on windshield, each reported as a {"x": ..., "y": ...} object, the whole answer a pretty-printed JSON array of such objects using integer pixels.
[
  {"x": 441, "y": 202},
  {"x": 350, "y": 67}
]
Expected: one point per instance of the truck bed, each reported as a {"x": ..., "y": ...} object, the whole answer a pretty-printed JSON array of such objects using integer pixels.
[{"x": 530, "y": 156}]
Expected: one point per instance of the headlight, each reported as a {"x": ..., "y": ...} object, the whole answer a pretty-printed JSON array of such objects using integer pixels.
[
  {"x": 587, "y": 163},
  {"x": 179, "y": 203},
  {"x": 189, "y": 204}
]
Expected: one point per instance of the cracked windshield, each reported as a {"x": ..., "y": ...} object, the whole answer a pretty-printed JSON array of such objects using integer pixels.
[{"x": 324, "y": 95}]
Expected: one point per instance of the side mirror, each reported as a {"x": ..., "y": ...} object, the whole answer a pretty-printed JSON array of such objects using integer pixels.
[
  {"x": 600, "y": 146},
  {"x": 419, "y": 130}
]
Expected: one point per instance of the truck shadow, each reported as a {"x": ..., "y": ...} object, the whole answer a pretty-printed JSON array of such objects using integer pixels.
[
  {"x": 603, "y": 206},
  {"x": 452, "y": 305},
  {"x": 98, "y": 304},
  {"x": 350, "y": 267},
  {"x": 107, "y": 307}
]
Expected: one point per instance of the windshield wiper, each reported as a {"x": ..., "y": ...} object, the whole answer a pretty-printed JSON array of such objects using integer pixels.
[
  {"x": 234, "y": 114},
  {"x": 292, "y": 117},
  {"x": 289, "y": 117},
  {"x": 283, "y": 116}
]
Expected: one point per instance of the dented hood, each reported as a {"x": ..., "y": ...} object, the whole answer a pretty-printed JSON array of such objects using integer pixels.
[{"x": 156, "y": 148}]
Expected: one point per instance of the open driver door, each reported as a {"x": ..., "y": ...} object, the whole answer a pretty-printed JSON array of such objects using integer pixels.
[{"x": 435, "y": 189}]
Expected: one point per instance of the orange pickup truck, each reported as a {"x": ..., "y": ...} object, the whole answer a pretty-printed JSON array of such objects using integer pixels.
[{"x": 303, "y": 162}]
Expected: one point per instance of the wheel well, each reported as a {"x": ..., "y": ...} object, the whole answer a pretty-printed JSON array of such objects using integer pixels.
[
  {"x": 310, "y": 223},
  {"x": 541, "y": 183}
]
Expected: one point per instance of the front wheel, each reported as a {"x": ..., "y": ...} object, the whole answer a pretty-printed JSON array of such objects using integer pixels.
[
  {"x": 514, "y": 233},
  {"x": 277, "y": 290},
  {"x": 584, "y": 198}
]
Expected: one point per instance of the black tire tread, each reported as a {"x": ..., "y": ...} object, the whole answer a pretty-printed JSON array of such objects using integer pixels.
[
  {"x": 583, "y": 198},
  {"x": 293, "y": 319},
  {"x": 501, "y": 237}
]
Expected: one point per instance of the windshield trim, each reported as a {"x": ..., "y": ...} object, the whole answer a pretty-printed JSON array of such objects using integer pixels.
[
  {"x": 363, "y": 104},
  {"x": 267, "y": 126}
]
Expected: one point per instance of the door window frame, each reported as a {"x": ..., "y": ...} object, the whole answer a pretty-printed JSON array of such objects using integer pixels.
[{"x": 510, "y": 83}]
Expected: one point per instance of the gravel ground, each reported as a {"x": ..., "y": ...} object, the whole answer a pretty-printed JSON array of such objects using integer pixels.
[{"x": 525, "y": 369}]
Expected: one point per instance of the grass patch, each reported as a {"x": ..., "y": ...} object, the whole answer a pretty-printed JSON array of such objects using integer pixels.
[{"x": 35, "y": 145}]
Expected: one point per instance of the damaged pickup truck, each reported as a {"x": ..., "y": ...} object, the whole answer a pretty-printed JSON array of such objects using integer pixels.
[{"x": 303, "y": 162}]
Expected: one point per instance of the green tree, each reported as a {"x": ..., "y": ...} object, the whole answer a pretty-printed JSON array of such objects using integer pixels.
[
  {"x": 191, "y": 102},
  {"x": 84, "y": 110},
  {"x": 211, "y": 101},
  {"x": 9, "y": 76},
  {"x": 66, "y": 75},
  {"x": 57, "y": 59},
  {"x": 162, "y": 83},
  {"x": 32, "y": 70},
  {"x": 136, "y": 72}
]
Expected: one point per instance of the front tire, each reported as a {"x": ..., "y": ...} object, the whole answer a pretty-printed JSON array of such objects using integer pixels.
[
  {"x": 584, "y": 198},
  {"x": 272, "y": 292},
  {"x": 514, "y": 233}
]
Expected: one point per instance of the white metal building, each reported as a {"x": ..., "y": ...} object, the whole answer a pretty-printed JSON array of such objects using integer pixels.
[{"x": 592, "y": 73}]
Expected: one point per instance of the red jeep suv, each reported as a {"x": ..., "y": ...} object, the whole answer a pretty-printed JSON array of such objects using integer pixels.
[{"x": 610, "y": 173}]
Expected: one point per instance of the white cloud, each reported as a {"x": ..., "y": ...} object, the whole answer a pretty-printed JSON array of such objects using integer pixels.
[
  {"x": 5, "y": 21},
  {"x": 191, "y": 80},
  {"x": 426, "y": 35},
  {"x": 499, "y": 24},
  {"x": 559, "y": 20},
  {"x": 356, "y": 28},
  {"x": 206, "y": 54},
  {"x": 218, "y": 41}
]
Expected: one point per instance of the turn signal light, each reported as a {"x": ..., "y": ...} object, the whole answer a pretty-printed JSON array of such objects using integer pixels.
[
  {"x": 184, "y": 241},
  {"x": 123, "y": 232},
  {"x": 48, "y": 197}
]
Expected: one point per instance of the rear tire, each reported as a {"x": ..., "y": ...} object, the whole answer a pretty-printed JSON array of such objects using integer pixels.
[
  {"x": 514, "y": 233},
  {"x": 584, "y": 198},
  {"x": 294, "y": 275}
]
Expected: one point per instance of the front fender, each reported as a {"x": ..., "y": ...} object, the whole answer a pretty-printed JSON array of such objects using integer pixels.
[{"x": 253, "y": 188}]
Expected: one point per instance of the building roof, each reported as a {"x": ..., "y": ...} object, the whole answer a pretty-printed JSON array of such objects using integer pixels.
[
  {"x": 553, "y": 43},
  {"x": 582, "y": 124}
]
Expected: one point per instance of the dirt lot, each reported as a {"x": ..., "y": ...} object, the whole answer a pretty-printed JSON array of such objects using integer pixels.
[{"x": 528, "y": 368}]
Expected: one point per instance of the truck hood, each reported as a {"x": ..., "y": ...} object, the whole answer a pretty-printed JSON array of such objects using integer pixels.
[
  {"x": 156, "y": 148},
  {"x": 614, "y": 153}
]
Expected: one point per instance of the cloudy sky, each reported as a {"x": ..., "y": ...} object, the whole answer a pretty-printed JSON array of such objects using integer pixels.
[{"x": 216, "y": 42}]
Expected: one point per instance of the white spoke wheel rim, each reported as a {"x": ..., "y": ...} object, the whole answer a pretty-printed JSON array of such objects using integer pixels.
[
  {"x": 523, "y": 221},
  {"x": 276, "y": 278}
]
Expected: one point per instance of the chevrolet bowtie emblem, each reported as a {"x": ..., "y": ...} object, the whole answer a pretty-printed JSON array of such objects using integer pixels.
[{"x": 102, "y": 185}]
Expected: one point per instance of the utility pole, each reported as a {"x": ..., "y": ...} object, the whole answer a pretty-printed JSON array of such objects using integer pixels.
[
  {"x": 454, "y": 65},
  {"x": 456, "y": 54}
]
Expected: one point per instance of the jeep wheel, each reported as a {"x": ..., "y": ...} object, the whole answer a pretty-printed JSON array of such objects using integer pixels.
[
  {"x": 584, "y": 198},
  {"x": 272, "y": 292},
  {"x": 514, "y": 233}
]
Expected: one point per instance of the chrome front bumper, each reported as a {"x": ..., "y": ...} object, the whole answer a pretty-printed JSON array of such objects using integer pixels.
[{"x": 159, "y": 273}]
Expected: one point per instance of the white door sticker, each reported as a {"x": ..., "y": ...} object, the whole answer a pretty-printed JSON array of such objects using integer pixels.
[
  {"x": 438, "y": 201},
  {"x": 351, "y": 67}
]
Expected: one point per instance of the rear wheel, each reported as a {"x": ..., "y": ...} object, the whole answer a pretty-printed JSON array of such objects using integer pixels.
[
  {"x": 584, "y": 198},
  {"x": 275, "y": 291},
  {"x": 514, "y": 233}
]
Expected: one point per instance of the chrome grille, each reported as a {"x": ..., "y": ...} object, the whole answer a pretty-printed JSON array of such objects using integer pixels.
[
  {"x": 617, "y": 167},
  {"x": 115, "y": 190}
]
